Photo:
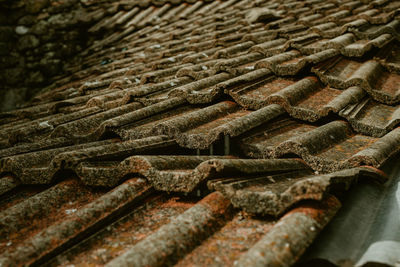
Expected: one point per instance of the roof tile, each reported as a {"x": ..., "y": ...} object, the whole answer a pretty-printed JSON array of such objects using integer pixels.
[
  {"x": 309, "y": 219},
  {"x": 273, "y": 194},
  {"x": 370, "y": 75},
  {"x": 303, "y": 88},
  {"x": 345, "y": 149}
]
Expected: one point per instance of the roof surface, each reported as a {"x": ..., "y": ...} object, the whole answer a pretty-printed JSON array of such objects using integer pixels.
[{"x": 203, "y": 133}]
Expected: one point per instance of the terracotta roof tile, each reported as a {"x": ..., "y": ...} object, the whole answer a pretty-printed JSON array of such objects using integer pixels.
[
  {"x": 80, "y": 217},
  {"x": 286, "y": 104},
  {"x": 344, "y": 150},
  {"x": 370, "y": 75},
  {"x": 389, "y": 57},
  {"x": 209, "y": 213},
  {"x": 371, "y": 118},
  {"x": 309, "y": 219},
  {"x": 41, "y": 166},
  {"x": 371, "y": 31},
  {"x": 273, "y": 194}
]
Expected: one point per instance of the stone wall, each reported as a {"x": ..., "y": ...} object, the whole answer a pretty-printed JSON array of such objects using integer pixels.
[{"x": 37, "y": 38}]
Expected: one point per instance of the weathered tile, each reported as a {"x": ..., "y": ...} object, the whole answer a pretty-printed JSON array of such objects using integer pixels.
[
  {"x": 370, "y": 75},
  {"x": 210, "y": 77},
  {"x": 330, "y": 147},
  {"x": 273, "y": 194}
]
